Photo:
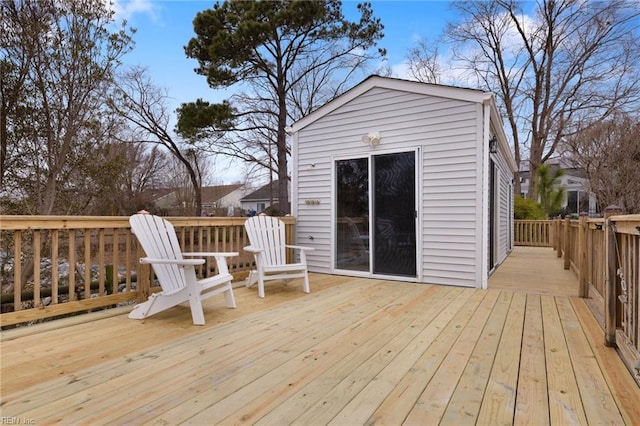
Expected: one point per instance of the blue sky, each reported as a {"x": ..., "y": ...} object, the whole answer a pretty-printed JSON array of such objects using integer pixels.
[{"x": 164, "y": 27}]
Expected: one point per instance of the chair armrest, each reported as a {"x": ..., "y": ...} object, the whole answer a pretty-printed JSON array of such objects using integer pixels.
[
  {"x": 220, "y": 257},
  {"x": 182, "y": 262},
  {"x": 303, "y": 248},
  {"x": 252, "y": 249},
  {"x": 212, "y": 254}
]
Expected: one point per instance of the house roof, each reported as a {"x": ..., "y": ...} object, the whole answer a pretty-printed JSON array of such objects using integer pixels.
[
  {"x": 561, "y": 162},
  {"x": 157, "y": 193},
  {"x": 209, "y": 193},
  {"x": 215, "y": 193},
  {"x": 451, "y": 92},
  {"x": 263, "y": 193}
]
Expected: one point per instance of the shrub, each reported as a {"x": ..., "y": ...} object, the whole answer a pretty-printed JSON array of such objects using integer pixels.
[{"x": 527, "y": 209}]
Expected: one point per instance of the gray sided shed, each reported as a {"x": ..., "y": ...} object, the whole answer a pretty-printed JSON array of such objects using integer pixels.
[{"x": 395, "y": 179}]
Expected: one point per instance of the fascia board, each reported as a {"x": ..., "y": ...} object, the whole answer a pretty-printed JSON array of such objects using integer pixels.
[{"x": 500, "y": 133}]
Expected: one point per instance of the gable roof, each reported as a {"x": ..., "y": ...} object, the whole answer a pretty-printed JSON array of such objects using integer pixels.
[
  {"x": 209, "y": 193},
  {"x": 451, "y": 92},
  {"x": 215, "y": 193},
  {"x": 263, "y": 193}
]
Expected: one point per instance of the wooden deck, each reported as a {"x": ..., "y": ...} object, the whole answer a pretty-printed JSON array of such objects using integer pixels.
[
  {"x": 354, "y": 351},
  {"x": 535, "y": 270}
]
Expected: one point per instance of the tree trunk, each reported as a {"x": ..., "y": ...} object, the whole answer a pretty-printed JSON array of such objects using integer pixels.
[
  {"x": 283, "y": 175},
  {"x": 196, "y": 188}
]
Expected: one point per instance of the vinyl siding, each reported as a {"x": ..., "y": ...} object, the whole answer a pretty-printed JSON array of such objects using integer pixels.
[
  {"x": 446, "y": 130},
  {"x": 505, "y": 212},
  {"x": 450, "y": 182}
]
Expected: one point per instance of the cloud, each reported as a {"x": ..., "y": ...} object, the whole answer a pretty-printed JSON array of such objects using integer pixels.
[{"x": 126, "y": 9}]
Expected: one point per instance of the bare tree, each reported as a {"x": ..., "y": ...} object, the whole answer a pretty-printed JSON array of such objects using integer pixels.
[
  {"x": 561, "y": 64},
  {"x": 184, "y": 195},
  {"x": 609, "y": 153},
  {"x": 145, "y": 107},
  {"x": 128, "y": 174},
  {"x": 424, "y": 62},
  {"x": 57, "y": 59}
]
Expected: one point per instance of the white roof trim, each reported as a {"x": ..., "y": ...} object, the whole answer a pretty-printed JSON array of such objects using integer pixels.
[
  {"x": 450, "y": 92},
  {"x": 500, "y": 134}
]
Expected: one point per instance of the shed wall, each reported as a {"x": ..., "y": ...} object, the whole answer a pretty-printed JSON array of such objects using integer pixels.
[{"x": 447, "y": 133}]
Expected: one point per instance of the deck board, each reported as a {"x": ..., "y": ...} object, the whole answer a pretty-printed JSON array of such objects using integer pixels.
[
  {"x": 467, "y": 399},
  {"x": 597, "y": 401},
  {"x": 354, "y": 351},
  {"x": 532, "y": 402},
  {"x": 398, "y": 403},
  {"x": 433, "y": 401},
  {"x": 500, "y": 393},
  {"x": 565, "y": 405}
]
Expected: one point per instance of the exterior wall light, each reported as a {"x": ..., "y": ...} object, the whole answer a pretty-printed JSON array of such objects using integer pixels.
[
  {"x": 372, "y": 139},
  {"x": 493, "y": 145}
]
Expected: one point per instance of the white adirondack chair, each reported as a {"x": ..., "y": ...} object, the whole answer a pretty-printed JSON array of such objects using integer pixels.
[
  {"x": 177, "y": 275},
  {"x": 267, "y": 238}
]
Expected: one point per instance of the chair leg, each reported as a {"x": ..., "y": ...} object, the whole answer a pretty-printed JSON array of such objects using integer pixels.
[
  {"x": 195, "y": 301},
  {"x": 305, "y": 282},
  {"x": 229, "y": 299},
  {"x": 260, "y": 286},
  {"x": 252, "y": 278},
  {"x": 197, "y": 313},
  {"x": 157, "y": 302}
]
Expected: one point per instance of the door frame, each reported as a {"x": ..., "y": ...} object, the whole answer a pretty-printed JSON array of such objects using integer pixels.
[
  {"x": 494, "y": 216},
  {"x": 418, "y": 214}
]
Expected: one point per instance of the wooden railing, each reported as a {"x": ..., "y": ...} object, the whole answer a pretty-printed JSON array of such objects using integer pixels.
[
  {"x": 53, "y": 266},
  {"x": 605, "y": 256},
  {"x": 622, "y": 289},
  {"x": 537, "y": 233},
  {"x": 580, "y": 239}
]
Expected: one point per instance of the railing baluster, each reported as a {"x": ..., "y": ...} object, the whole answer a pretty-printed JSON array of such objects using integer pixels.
[
  {"x": 17, "y": 270},
  {"x": 72, "y": 264},
  {"x": 87, "y": 264},
  {"x": 101, "y": 264},
  {"x": 115, "y": 259},
  {"x": 55, "y": 241}
]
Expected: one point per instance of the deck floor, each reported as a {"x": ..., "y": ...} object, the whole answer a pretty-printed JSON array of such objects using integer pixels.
[{"x": 354, "y": 351}]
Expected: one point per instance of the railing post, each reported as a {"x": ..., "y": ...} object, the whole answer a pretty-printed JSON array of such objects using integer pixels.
[
  {"x": 144, "y": 273},
  {"x": 582, "y": 256},
  {"x": 589, "y": 256},
  {"x": 558, "y": 226},
  {"x": 566, "y": 250},
  {"x": 610, "y": 296}
]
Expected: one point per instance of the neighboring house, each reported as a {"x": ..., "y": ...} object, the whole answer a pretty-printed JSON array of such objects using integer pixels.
[
  {"x": 261, "y": 199},
  {"x": 579, "y": 198},
  {"x": 221, "y": 200},
  {"x": 395, "y": 179},
  {"x": 163, "y": 199},
  {"x": 217, "y": 199}
]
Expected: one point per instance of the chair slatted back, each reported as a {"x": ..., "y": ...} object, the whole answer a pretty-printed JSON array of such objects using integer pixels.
[
  {"x": 159, "y": 241},
  {"x": 268, "y": 233}
]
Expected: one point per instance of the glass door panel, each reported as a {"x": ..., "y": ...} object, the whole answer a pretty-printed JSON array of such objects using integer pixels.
[
  {"x": 394, "y": 214},
  {"x": 352, "y": 211}
]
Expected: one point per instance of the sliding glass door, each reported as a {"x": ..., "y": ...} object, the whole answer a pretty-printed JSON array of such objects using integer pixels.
[
  {"x": 376, "y": 214},
  {"x": 394, "y": 208},
  {"x": 352, "y": 210}
]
